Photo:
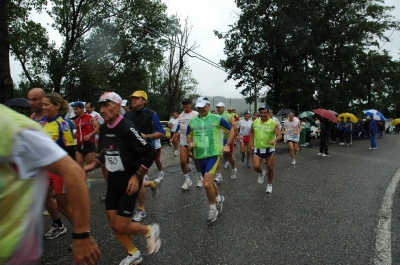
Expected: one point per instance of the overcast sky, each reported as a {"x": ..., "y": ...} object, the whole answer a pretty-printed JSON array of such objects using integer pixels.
[{"x": 206, "y": 16}]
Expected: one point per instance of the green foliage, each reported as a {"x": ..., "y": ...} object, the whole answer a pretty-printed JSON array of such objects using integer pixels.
[{"x": 311, "y": 54}]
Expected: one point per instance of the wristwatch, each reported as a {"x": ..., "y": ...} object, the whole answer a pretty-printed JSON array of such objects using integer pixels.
[
  {"x": 228, "y": 143},
  {"x": 81, "y": 235}
]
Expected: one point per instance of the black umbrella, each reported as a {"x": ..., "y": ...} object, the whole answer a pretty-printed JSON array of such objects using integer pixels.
[
  {"x": 311, "y": 120},
  {"x": 17, "y": 102},
  {"x": 284, "y": 112}
]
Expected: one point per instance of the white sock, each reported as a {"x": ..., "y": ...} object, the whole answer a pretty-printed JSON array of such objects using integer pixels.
[
  {"x": 187, "y": 176},
  {"x": 213, "y": 207},
  {"x": 218, "y": 199}
]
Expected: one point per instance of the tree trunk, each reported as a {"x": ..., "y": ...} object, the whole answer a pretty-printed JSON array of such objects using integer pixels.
[{"x": 6, "y": 87}]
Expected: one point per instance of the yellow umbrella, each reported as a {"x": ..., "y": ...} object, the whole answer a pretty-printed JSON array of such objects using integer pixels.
[
  {"x": 346, "y": 115},
  {"x": 395, "y": 121}
]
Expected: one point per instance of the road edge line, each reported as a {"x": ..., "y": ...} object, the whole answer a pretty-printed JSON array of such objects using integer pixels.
[{"x": 383, "y": 243}]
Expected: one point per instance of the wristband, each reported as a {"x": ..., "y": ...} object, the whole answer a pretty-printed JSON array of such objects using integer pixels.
[
  {"x": 138, "y": 176},
  {"x": 81, "y": 235}
]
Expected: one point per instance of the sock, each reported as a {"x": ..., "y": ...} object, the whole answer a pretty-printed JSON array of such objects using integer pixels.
[
  {"x": 148, "y": 231},
  {"x": 133, "y": 251},
  {"x": 153, "y": 184},
  {"x": 213, "y": 207},
  {"x": 218, "y": 199},
  {"x": 140, "y": 208},
  {"x": 187, "y": 176},
  {"x": 58, "y": 222}
]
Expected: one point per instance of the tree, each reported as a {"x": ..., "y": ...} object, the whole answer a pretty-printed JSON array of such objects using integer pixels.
[{"x": 304, "y": 53}]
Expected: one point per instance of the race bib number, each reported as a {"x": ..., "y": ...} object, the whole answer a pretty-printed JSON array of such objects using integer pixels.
[
  {"x": 113, "y": 160},
  {"x": 263, "y": 150}
]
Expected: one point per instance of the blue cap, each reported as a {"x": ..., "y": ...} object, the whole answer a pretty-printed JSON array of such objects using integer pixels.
[
  {"x": 78, "y": 104},
  {"x": 263, "y": 107}
]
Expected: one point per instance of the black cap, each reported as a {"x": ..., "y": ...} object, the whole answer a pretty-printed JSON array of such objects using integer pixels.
[
  {"x": 186, "y": 101},
  {"x": 246, "y": 112}
]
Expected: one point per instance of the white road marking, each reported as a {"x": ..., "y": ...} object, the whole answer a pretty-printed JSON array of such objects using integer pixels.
[{"x": 383, "y": 243}]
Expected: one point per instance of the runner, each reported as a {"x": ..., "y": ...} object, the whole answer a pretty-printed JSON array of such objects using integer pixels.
[
  {"x": 150, "y": 128},
  {"x": 204, "y": 137},
  {"x": 184, "y": 153},
  {"x": 291, "y": 129},
  {"x": 228, "y": 156},
  {"x": 264, "y": 133},
  {"x": 58, "y": 130},
  {"x": 85, "y": 134},
  {"x": 244, "y": 127},
  {"x": 173, "y": 124},
  {"x": 127, "y": 156},
  {"x": 97, "y": 117},
  {"x": 24, "y": 188}
]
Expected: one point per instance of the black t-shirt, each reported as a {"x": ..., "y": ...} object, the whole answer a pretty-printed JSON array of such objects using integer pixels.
[{"x": 132, "y": 148}]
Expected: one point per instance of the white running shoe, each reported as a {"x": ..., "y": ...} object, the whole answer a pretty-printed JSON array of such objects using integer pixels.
[
  {"x": 186, "y": 184},
  {"x": 199, "y": 183},
  {"x": 219, "y": 204},
  {"x": 153, "y": 241},
  {"x": 46, "y": 213},
  {"x": 139, "y": 216},
  {"x": 175, "y": 153},
  {"x": 234, "y": 173},
  {"x": 319, "y": 154},
  {"x": 261, "y": 177},
  {"x": 132, "y": 259},
  {"x": 294, "y": 162},
  {"x": 226, "y": 165},
  {"x": 161, "y": 175},
  {"x": 269, "y": 188},
  {"x": 218, "y": 178},
  {"x": 212, "y": 215},
  {"x": 325, "y": 155}
]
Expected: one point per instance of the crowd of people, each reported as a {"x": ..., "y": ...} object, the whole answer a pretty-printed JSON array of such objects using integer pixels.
[{"x": 124, "y": 140}]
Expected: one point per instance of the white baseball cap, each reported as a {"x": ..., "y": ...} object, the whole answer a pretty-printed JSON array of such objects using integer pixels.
[
  {"x": 110, "y": 96},
  {"x": 201, "y": 102},
  {"x": 123, "y": 103},
  {"x": 220, "y": 104}
]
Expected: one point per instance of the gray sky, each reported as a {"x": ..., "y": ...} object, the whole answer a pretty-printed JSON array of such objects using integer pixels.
[{"x": 206, "y": 16}]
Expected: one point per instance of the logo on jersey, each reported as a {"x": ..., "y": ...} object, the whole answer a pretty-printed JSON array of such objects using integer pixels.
[
  {"x": 65, "y": 126},
  {"x": 143, "y": 141}
]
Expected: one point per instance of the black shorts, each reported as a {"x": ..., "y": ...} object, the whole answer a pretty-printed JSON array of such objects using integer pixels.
[
  {"x": 117, "y": 199},
  {"x": 86, "y": 148},
  {"x": 265, "y": 155}
]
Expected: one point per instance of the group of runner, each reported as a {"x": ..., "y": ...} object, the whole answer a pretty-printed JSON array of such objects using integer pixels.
[{"x": 130, "y": 144}]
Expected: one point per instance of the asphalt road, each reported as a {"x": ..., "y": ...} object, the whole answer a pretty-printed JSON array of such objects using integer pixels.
[{"x": 321, "y": 211}]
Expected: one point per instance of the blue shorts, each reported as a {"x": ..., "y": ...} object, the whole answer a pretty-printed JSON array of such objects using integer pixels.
[
  {"x": 264, "y": 154},
  {"x": 208, "y": 165}
]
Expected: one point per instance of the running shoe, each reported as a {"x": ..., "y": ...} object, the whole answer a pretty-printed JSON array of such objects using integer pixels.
[
  {"x": 175, "y": 153},
  {"x": 234, "y": 173},
  {"x": 294, "y": 162},
  {"x": 186, "y": 184},
  {"x": 242, "y": 159},
  {"x": 153, "y": 241},
  {"x": 55, "y": 231},
  {"x": 226, "y": 165},
  {"x": 132, "y": 259},
  {"x": 170, "y": 144},
  {"x": 248, "y": 165},
  {"x": 218, "y": 178},
  {"x": 161, "y": 175},
  {"x": 219, "y": 204},
  {"x": 325, "y": 155},
  {"x": 139, "y": 216},
  {"x": 199, "y": 183},
  {"x": 261, "y": 177},
  {"x": 212, "y": 215},
  {"x": 269, "y": 188},
  {"x": 319, "y": 154},
  {"x": 46, "y": 213}
]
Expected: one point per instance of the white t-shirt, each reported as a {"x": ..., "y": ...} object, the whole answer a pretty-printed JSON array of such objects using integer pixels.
[
  {"x": 244, "y": 127},
  {"x": 32, "y": 151},
  {"x": 291, "y": 128},
  {"x": 174, "y": 123},
  {"x": 97, "y": 117},
  {"x": 184, "y": 119}
]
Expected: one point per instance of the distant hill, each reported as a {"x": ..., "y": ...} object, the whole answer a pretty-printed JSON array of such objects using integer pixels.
[{"x": 237, "y": 103}]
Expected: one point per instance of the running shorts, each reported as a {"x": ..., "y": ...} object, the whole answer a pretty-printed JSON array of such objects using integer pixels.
[
  {"x": 86, "y": 148},
  {"x": 208, "y": 165},
  {"x": 245, "y": 139},
  {"x": 264, "y": 155},
  {"x": 57, "y": 182}
]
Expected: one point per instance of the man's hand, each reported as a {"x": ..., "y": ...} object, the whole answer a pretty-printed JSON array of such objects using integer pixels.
[
  {"x": 226, "y": 149},
  {"x": 87, "y": 138},
  {"x": 190, "y": 146},
  {"x": 85, "y": 251},
  {"x": 133, "y": 185}
]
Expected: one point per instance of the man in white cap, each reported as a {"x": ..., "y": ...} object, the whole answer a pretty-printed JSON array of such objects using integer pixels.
[
  {"x": 228, "y": 157},
  {"x": 127, "y": 156},
  {"x": 124, "y": 105},
  {"x": 204, "y": 138}
]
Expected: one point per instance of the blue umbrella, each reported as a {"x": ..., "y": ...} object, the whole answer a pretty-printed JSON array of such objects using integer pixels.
[{"x": 376, "y": 115}]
